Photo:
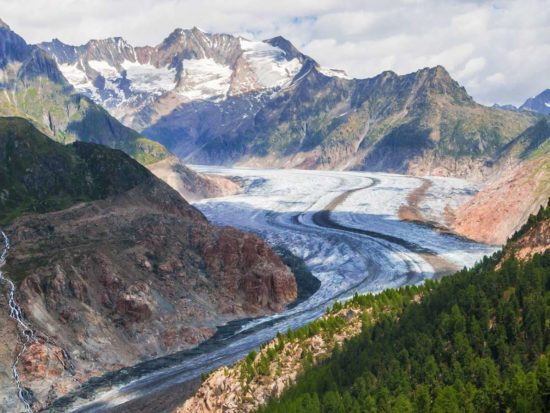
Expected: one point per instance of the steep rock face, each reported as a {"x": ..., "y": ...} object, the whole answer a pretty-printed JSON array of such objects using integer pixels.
[
  {"x": 532, "y": 238},
  {"x": 504, "y": 204},
  {"x": 519, "y": 187},
  {"x": 131, "y": 277},
  {"x": 123, "y": 270},
  {"x": 535, "y": 241},
  {"x": 35, "y": 88}
]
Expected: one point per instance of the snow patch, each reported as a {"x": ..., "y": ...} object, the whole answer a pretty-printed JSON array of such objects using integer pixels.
[
  {"x": 547, "y": 104},
  {"x": 334, "y": 73},
  {"x": 147, "y": 78},
  {"x": 104, "y": 69},
  {"x": 204, "y": 79},
  {"x": 269, "y": 63},
  {"x": 78, "y": 79},
  {"x": 74, "y": 75}
]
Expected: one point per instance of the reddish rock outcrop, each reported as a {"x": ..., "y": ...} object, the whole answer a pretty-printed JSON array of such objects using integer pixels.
[
  {"x": 131, "y": 277},
  {"x": 535, "y": 241},
  {"x": 504, "y": 204}
]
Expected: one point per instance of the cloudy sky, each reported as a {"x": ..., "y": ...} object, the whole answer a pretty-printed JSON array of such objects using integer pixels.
[{"x": 499, "y": 50}]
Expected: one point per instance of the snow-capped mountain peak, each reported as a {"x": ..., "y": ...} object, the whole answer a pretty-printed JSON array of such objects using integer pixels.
[{"x": 188, "y": 65}]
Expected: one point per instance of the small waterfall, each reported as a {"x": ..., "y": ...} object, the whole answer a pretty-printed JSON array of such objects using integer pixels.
[{"x": 25, "y": 330}]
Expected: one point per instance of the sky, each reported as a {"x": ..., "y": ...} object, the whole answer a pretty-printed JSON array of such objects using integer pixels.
[{"x": 499, "y": 50}]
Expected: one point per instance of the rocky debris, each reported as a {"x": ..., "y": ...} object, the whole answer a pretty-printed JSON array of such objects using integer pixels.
[
  {"x": 42, "y": 361},
  {"x": 227, "y": 390},
  {"x": 134, "y": 276},
  {"x": 432, "y": 164},
  {"x": 9, "y": 339},
  {"x": 411, "y": 211},
  {"x": 192, "y": 185}
]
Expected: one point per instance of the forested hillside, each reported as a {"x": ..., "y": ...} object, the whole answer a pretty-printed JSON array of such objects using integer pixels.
[{"x": 478, "y": 341}]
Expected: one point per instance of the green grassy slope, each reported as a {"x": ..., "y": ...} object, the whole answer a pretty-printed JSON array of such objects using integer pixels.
[{"x": 40, "y": 175}]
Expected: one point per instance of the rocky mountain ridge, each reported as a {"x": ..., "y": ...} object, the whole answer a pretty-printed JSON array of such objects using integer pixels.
[
  {"x": 113, "y": 266},
  {"x": 140, "y": 84},
  {"x": 33, "y": 87},
  {"x": 539, "y": 103},
  {"x": 216, "y": 98}
]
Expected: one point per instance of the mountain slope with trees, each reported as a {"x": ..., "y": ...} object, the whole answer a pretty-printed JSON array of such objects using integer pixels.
[{"x": 478, "y": 341}]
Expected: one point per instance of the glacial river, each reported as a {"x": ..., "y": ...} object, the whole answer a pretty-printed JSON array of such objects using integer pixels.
[{"x": 344, "y": 225}]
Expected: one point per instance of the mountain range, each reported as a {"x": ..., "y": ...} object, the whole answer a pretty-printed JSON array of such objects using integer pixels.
[
  {"x": 217, "y": 98},
  {"x": 112, "y": 264},
  {"x": 221, "y": 99},
  {"x": 538, "y": 104},
  {"x": 35, "y": 88}
]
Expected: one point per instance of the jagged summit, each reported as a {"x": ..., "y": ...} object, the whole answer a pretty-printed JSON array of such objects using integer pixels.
[{"x": 188, "y": 65}]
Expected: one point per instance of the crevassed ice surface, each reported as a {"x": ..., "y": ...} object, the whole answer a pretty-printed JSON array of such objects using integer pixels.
[{"x": 279, "y": 205}]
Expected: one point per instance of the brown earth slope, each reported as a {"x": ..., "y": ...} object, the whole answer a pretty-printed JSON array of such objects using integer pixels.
[
  {"x": 519, "y": 186},
  {"x": 117, "y": 279},
  {"x": 190, "y": 184}
]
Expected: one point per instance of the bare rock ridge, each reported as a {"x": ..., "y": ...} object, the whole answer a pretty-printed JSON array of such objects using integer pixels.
[
  {"x": 123, "y": 270},
  {"x": 539, "y": 103}
]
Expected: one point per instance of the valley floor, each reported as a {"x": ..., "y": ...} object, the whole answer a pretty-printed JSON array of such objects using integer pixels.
[{"x": 346, "y": 227}]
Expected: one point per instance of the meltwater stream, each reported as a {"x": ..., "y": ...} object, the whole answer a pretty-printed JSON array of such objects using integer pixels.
[
  {"x": 24, "y": 329},
  {"x": 343, "y": 224}
]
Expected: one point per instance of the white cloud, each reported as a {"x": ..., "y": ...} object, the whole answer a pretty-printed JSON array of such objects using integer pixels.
[
  {"x": 499, "y": 50},
  {"x": 472, "y": 68}
]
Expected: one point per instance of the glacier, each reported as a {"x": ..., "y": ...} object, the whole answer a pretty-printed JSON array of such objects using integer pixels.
[{"x": 284, "y": 207}]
